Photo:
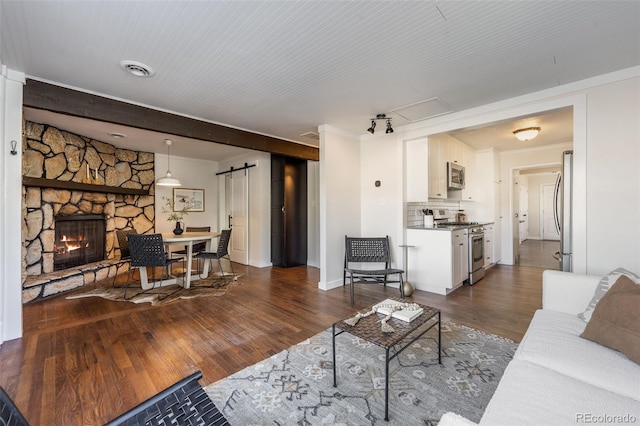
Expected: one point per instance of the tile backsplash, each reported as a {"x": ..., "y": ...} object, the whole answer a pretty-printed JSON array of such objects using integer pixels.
[{"x": 415, "y": 217}]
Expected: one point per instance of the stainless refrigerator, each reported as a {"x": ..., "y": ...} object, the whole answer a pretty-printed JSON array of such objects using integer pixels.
[{"x": 563, "y": 210}]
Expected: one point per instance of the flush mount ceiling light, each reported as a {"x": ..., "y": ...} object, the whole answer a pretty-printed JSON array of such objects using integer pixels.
[
  {"x": 137, "y": 69},
  {"x": 117, "y": 135},
  {"x": 168, "y": 179},
  {"x": 372, "y": 129},
  {"x": 527, "y": 134}
]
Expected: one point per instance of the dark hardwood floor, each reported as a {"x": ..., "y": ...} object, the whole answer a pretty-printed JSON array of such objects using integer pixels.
[{"x": 85, "y": 361}]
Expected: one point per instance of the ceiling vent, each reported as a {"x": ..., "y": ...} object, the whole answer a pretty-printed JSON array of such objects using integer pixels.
[
  {"x": 310, "y": 135},
  {"x": 137, "y": 69},
  {"x": 422, "y": 110}
]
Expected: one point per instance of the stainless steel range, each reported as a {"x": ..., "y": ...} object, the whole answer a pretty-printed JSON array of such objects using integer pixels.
[{"x": 476, "y": 253}]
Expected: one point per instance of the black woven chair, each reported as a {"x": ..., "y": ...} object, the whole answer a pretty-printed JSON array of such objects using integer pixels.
[
  {"x": 148, "y": 251},
  {"x": 9, "y": 413},
  {"x": 125, "y": 255},
  {"x": 184, "y": 403},
  {"x": 373, "y": 251},
  {"x": 223, "y": 251},
  {"x": 197, "y": 248}
]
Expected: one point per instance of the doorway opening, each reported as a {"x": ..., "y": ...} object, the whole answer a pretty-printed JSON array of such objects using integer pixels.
[{"x": 536, "y": 238}]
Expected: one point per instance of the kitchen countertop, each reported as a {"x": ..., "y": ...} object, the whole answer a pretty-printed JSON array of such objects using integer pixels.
[{"x": 448, "y": 228}]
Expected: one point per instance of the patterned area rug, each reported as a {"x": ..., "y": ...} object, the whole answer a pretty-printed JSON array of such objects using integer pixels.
[
  {"x": 214, "y": 285},
  {"x": 295, "y": 386}
]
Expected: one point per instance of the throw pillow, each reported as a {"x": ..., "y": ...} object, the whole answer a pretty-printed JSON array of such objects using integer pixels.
[
  {"x": 615, "y": 322},
  {"x": 605, "y": 284}
]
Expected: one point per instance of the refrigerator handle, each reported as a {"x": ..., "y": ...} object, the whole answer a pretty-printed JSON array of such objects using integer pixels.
[{"x": 556, "y": 194}]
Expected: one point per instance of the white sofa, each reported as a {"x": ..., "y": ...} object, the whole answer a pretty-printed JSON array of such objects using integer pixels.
[{"x": 558, "y": 378}]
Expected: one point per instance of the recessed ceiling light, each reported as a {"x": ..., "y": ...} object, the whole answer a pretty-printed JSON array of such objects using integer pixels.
[
  {"x": 137, "y": 69},
  {"x": 117, "y": 135}
]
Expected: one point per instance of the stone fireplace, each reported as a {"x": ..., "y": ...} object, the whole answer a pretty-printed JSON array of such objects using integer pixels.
[
  {"x": 70, "y": 178},
  {"x": 79, "y": 240}
]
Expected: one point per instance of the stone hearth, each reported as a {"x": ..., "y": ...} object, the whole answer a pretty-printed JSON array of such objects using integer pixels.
[{"x": 52, "y": 157}]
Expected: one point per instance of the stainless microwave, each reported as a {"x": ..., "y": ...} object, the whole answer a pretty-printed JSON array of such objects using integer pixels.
[{"x": 455, "y": 176}]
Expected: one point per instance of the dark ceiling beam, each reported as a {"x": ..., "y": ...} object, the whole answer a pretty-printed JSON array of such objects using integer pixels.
[{"x": 62, "y": 100}]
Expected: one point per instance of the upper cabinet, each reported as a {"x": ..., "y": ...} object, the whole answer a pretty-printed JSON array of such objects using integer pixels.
[
  {"x": 438, "y": 157},
  {"x": 417, "y": 170},
  {"x": 469, "y": 161},
  {"x": 426, "y": 169},
  {"x": 455, "y": 151}
]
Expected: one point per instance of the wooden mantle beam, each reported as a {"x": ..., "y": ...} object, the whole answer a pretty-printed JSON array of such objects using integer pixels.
[
  {"x": 79, "y": 186},
  {"x": 62, "y": 100}
]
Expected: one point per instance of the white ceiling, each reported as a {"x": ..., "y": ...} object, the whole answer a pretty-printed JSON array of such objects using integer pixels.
[{"x": 282, "y": 68}]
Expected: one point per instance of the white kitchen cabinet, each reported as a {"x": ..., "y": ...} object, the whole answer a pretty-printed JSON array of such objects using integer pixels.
[
  {"x": 460, "y": 245},
  {"x": 489, "y": 258},
  {"x": 417, "y": 170},
  {"x": 472, "y": 186},
  {"x": 438, "y": 152},
  {"x": 455, "y": 151},
  {"x": 437, "y": 260}
]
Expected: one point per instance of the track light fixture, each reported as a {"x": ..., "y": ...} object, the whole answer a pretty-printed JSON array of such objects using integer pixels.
[
  {"x": 372, "y": 129},
  {"x": 380, "y": 117}
]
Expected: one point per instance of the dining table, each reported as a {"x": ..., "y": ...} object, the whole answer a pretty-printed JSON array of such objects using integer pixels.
[{"x": 186, "y": 239}]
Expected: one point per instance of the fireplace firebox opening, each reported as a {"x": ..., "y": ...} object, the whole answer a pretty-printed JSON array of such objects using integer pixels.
[{"x": 79, "y": 239}]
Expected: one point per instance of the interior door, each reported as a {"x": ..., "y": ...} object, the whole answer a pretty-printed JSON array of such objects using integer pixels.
[
  {"x": 524, "y": 212},
  {"x": 549, "y": 230},
  {"x": 515, "y": 241},
  {"x": 238, "y": 218}
]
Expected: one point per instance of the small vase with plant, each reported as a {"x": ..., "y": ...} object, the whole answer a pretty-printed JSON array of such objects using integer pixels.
[{"x": 174, "y": 216}]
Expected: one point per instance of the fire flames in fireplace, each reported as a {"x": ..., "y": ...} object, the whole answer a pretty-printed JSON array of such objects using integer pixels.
[
  {"x": 78, "y": 240},
  {"x": 66, "y": 244}
]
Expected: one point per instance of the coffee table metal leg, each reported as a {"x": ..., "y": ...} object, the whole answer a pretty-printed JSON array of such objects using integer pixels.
[
  {"x": 439, "y": 339},
  {"x": 333, "y": 338},
  {"x": 386, "y": 386}
]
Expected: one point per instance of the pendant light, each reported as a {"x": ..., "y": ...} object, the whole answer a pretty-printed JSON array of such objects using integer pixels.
[{"x": 168, "y": 180}]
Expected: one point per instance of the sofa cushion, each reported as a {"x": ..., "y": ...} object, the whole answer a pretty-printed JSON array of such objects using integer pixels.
[
  {"x": 553, "y": 341},
  {"x": 603, "y": 286},
  {"x": 529, "y": 394},
  {"x": 615, "y": 322}
]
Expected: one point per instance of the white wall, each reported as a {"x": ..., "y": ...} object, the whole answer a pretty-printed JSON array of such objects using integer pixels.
[
  {"x": 11, "y": 83},
  {"x": 340, "y": 195},
  {"x": 613, "y": 177},
  {"x": 193, "y": 174},
  {"x": 381, "y": 207}
]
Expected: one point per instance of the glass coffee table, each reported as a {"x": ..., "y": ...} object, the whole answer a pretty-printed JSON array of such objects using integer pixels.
[{"x": 404, "y": 334}]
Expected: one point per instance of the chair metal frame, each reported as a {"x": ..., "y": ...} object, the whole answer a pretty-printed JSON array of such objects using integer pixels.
[
  {"x": 10, "y": 415},
  {"x": 222, "y": 252},
  {"x": 183, "y": 403},
  {"x": 147, "y": 250},
  {"x": 369, "y": 250},
  {"x": 125, "y": 255}
]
